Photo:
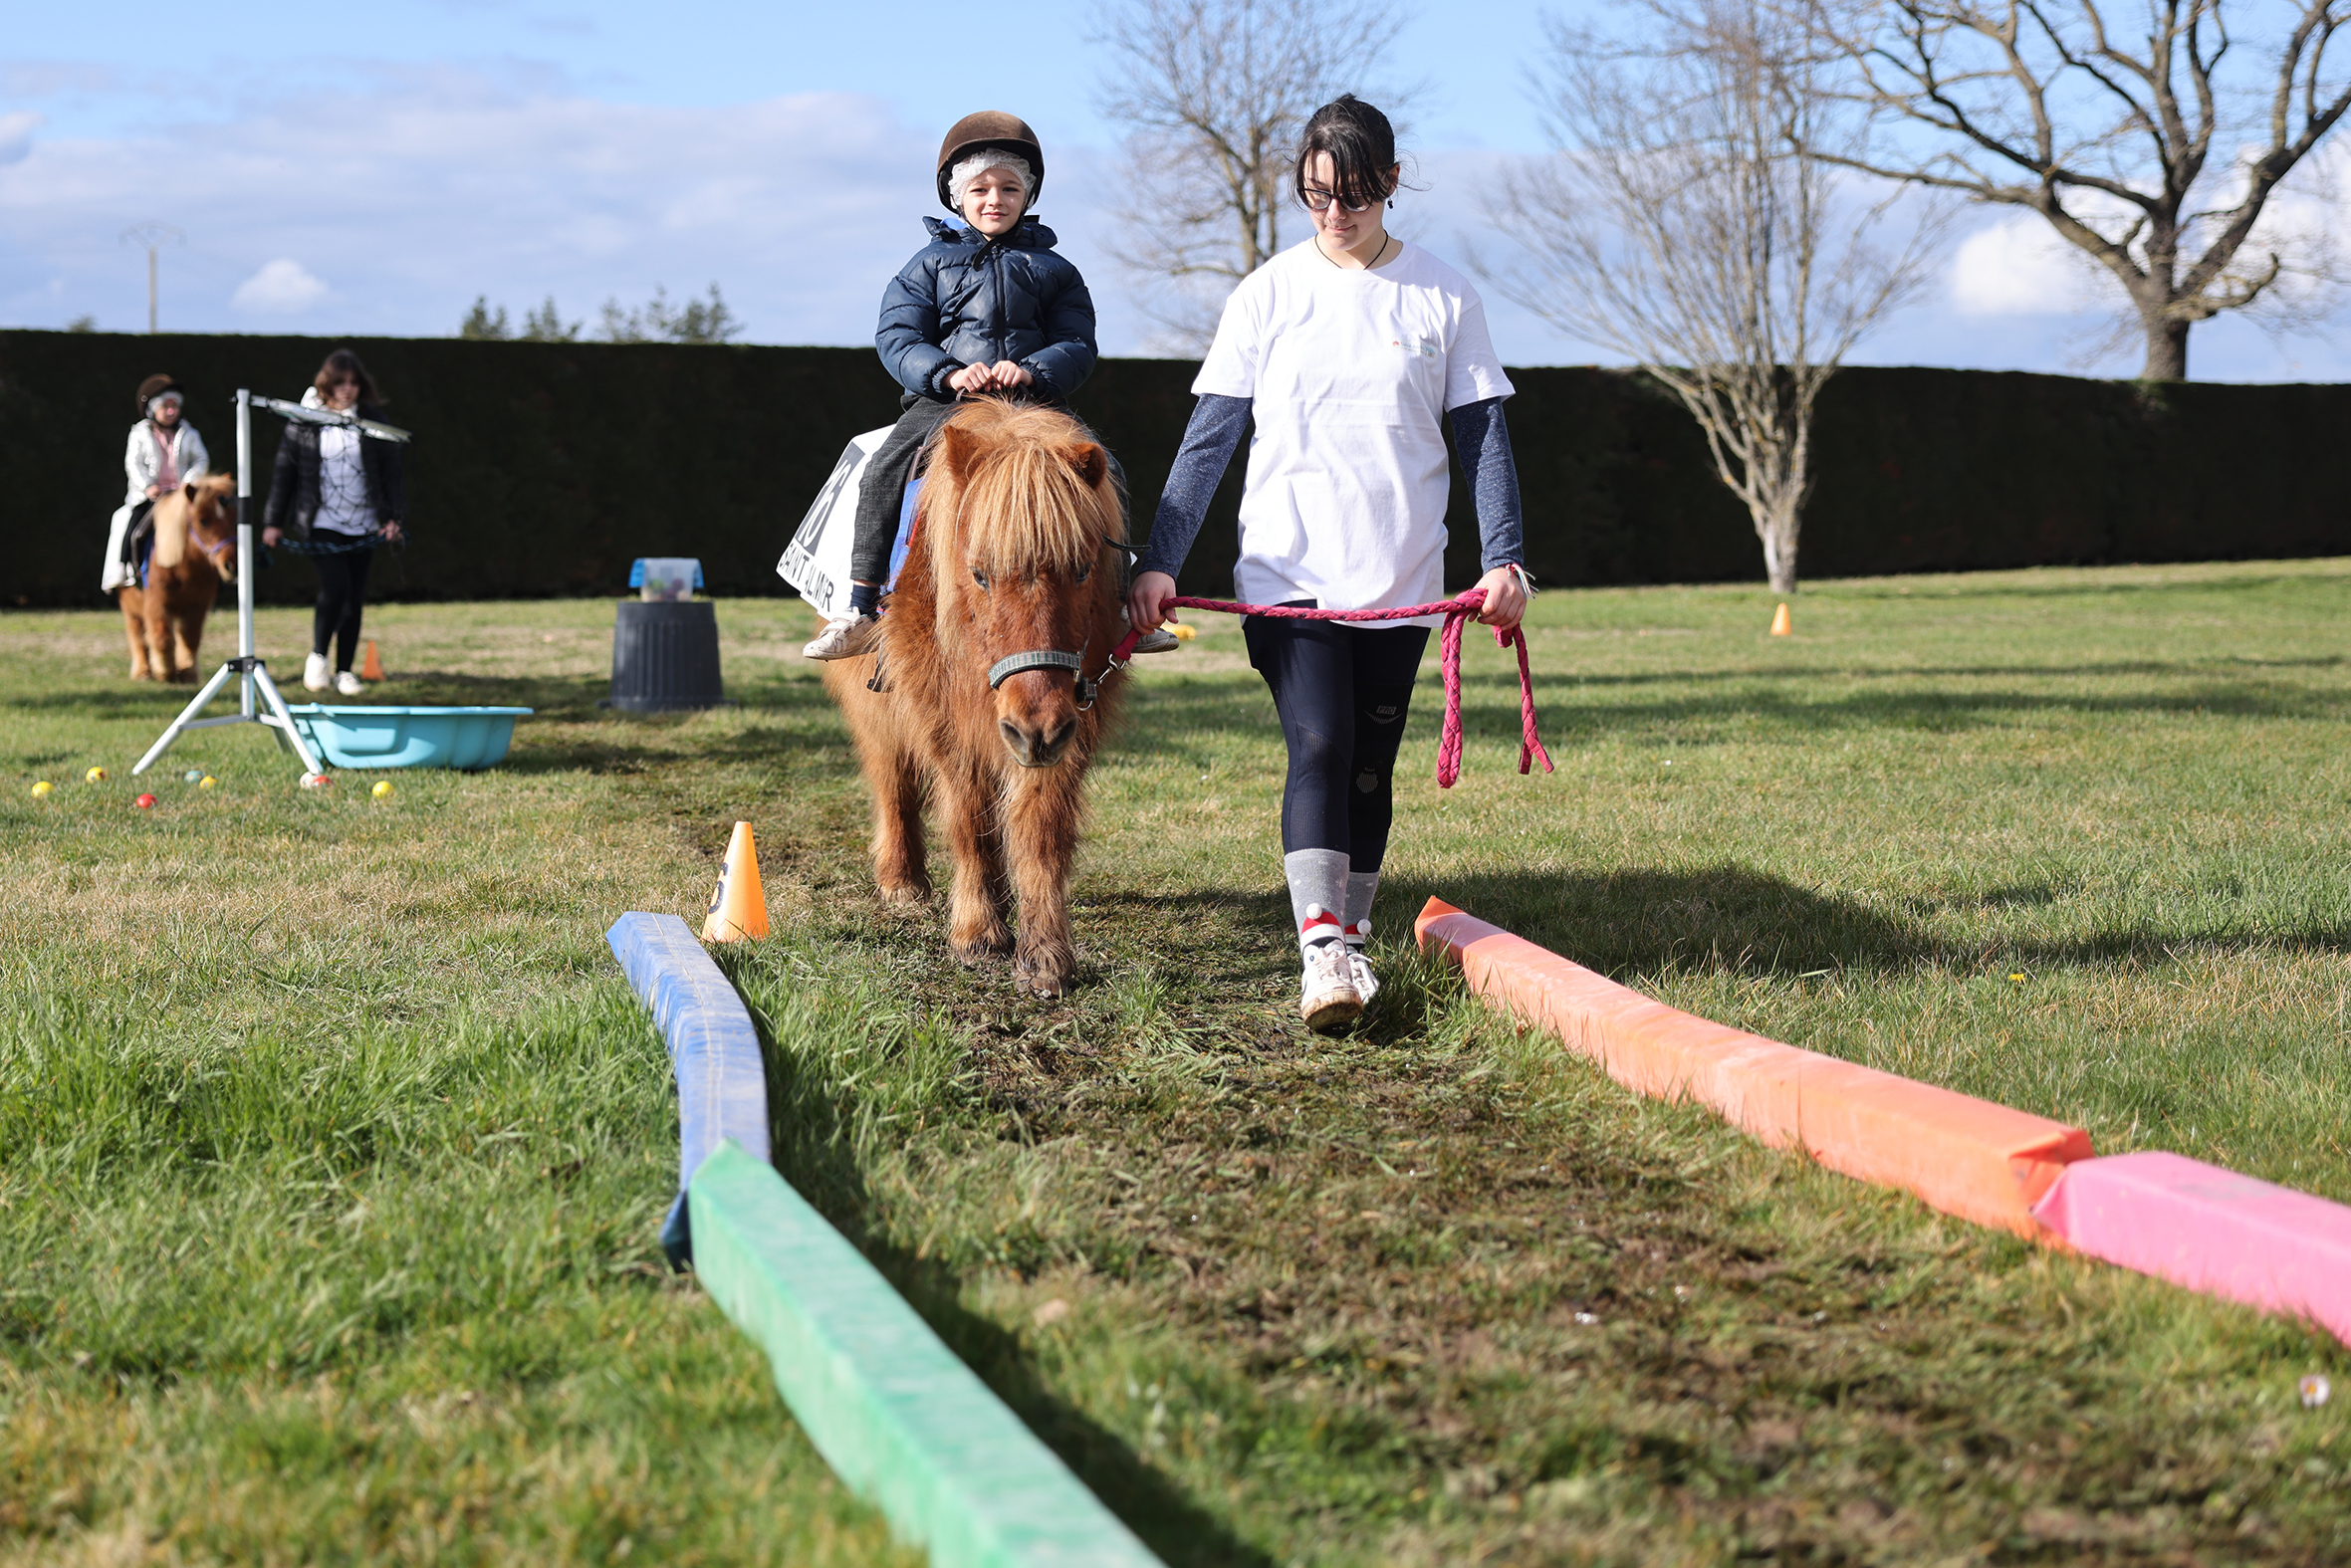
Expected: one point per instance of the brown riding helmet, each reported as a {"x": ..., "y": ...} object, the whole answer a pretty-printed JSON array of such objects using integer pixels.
[
  {"x": 989, "y": 128},
  {"x": 155, "y": 387}
]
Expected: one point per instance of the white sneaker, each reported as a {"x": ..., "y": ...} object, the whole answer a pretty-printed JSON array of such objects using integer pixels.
[
  {"x": 844, "y": 638},
  {"x": 314, "y": 672},
  {"x": 1157, "y": 640},
  {"x": 349, "y": 684},
  {"x": 1366, "y": 983},
  {"x": 1327, "y": 999}
]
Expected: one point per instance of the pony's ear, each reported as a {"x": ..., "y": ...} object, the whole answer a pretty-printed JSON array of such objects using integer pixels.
[
  {"x": 1092, "y": 463},
  {"x": 956, "y": 451}
]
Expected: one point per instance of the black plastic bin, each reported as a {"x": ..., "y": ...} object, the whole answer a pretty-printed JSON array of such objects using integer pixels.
[{"x": 665, "y": 655}]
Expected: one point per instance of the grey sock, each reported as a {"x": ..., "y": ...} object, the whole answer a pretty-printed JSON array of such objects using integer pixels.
[
  {"x": 1362, "y": 887},
  {"x": 1317, "y": 893}
]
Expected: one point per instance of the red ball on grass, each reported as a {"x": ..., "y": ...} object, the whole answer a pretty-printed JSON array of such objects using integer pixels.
[{"x": 145, "y": 802}]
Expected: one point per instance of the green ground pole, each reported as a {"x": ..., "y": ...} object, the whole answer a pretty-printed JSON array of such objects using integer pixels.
[{"x": 900, "y": 1419}]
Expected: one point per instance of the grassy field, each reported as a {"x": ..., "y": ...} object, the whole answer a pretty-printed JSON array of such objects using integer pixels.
[{"x": 333, "y": 1148}]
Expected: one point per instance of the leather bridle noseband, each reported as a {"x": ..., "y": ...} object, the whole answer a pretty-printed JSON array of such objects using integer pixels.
[{"x": 1013, "y": 664}]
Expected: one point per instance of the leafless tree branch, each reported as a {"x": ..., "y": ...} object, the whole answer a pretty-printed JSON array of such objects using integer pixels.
[
  {"x": 1215, "y": 93},
  {"x": 2036, "y": 104},
  {"x": 1690, "y": 224}
]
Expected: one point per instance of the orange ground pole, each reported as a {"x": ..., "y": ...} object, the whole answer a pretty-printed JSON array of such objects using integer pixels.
[{"x": 1961, "y": 1155}]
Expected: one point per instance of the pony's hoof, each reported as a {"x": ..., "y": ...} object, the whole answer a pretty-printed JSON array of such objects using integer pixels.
[
  {"x": 905, "y": 895},
  {"x": 982, "y": 946},
  {"x": 1042, "y": 975}
]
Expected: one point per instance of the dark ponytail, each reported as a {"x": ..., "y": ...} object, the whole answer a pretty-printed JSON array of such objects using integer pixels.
[{"x": 1361, "y": 144}]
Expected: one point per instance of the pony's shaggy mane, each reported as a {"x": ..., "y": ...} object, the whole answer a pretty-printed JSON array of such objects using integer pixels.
[{"x": 1021, "y": 504}]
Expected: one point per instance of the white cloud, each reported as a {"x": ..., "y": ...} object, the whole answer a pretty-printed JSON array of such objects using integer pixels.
[
  {"x": 2017, "y": 266},
  {"x": 16, "y": 135},
  {"x": 463, "y": 187},
  {"x": 282, "y": 288},
  {"x": 516, "y": 186}
]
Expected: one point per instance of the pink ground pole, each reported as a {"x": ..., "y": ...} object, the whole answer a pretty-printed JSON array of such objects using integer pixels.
[{"x": 2210, "y": 1229}]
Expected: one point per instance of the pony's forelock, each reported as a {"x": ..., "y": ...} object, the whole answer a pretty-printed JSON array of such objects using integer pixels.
[{"x": 1021, "y": 506}]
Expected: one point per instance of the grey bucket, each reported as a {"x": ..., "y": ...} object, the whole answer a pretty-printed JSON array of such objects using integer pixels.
[{"x": 665, "y": 655}]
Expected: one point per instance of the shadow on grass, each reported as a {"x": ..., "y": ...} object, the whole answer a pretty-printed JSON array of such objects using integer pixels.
[
  {"x": 1648, "y": 921},
  {"x": 812, "y": 1150},
  {"x": 129, "y": 700},
  {"x": 2081, "y": 587},
  {"x": 1778, "y": 698},
  {"x": 1789, "y": 701}
]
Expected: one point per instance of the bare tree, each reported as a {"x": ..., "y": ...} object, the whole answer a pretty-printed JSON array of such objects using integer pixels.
[
  {"x": 1690, "y": 224},
  {"x": 1216, "y": 92},
  {"x": 2135, "y": 149}
]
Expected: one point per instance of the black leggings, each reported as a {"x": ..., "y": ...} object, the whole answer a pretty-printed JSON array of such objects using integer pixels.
[
  {"x": 881, "y": 490},
  {"x": 342, "y": 589},
  {"x": 1342, "y": 692}
]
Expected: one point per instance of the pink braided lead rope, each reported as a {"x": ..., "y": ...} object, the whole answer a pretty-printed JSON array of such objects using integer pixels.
[{"x": 1457, "y": 612}]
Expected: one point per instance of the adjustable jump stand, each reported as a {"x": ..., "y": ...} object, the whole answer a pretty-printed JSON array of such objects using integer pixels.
[{"x": 247, "y": 667}]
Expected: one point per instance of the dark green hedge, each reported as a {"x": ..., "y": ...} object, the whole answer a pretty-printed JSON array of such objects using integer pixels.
[{"x": 546, "y": 468}]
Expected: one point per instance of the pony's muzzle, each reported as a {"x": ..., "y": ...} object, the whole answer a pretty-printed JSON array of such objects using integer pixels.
[{"x": 1034, "y": 745}]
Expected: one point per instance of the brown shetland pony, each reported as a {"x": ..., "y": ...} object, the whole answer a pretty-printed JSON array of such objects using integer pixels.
[
  {"x": 196, "y": 553},
  {"x": 1012, "y": 556}
]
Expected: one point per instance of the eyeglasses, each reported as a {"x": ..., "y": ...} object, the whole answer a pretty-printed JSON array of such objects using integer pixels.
[{"x": 1320, "y": 201}]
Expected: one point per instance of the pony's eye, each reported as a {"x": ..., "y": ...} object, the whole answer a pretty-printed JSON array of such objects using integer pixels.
[
  {"x": 981, "y": 578},
  {"x": 1085, "y": 572}
]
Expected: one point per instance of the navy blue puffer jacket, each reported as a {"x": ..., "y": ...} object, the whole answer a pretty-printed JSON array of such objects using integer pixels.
[{"x": 965, "y": 301}]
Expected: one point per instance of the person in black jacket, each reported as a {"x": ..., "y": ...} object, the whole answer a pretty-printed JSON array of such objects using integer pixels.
[
  {"x": 985, "y": 308},
  {"x": 339, "y": 494}
]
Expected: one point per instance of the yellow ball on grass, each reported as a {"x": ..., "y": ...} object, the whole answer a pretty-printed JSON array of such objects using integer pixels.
[
  {"x": 382, "y": 789},
  {"x": 43, "y": 788},
  {"x": 94, "y": 776}
]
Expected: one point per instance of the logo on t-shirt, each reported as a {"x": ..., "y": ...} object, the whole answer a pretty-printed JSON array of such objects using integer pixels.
[{"x": 1426, "y": 347}]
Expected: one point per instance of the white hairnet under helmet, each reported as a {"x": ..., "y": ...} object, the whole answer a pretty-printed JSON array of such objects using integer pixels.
[{"x": 971, "y": 166}]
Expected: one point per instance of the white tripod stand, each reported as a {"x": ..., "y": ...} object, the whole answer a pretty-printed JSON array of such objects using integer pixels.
[{"x": 247, "y": 663}]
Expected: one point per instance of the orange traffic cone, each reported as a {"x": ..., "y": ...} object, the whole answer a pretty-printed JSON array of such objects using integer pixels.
[
  {"x": 738, "y": 909},
  {"x": 371, "y": 667},
  {"x": 1781, "y": 627}
]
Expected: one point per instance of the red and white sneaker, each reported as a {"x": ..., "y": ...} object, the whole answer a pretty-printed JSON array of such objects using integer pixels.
[
  {"x": 1327, "y": 999},
  {"x": 1353, "y": 937},
  {"x": 1327, "y": 996}
]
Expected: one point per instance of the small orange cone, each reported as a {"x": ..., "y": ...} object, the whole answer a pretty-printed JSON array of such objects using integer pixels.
[
  {"x": 738, "y": 909},
  {"x": 1779, "y": 623},
  {"x": 371, "y": 668}
]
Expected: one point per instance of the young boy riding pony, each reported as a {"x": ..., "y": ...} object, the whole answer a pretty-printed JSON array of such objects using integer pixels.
[{"x": 987, "y": 310}]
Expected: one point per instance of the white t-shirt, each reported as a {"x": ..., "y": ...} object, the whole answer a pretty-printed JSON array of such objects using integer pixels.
[{"x": 1349, "y": 371}]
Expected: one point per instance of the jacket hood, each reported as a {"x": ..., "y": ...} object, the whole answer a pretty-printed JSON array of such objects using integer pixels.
[{"x": 1027, "y": 234}]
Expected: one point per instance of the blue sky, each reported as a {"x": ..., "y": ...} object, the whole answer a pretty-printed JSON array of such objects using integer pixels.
[{"x": 370, "y": 170}]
